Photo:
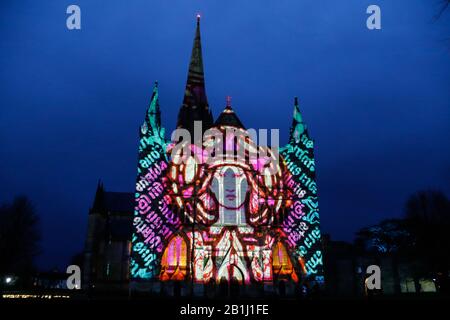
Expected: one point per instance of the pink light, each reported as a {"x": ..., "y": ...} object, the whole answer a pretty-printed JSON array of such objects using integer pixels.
[
  {"x": 188, "y": 192},
  {"x": 258, "y": 163},
  {"x": 170, "y": 255},
  {"x": 178, "y": 250}
]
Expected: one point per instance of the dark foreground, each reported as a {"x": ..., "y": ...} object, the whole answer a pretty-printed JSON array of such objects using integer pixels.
[{"x": 59, "y": 306}]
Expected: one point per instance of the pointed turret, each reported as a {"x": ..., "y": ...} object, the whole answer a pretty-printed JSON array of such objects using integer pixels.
[
  {"x": 228, "y": 117},
  {"x": 153, "y": 116},
  {"x": 99, "y": 200},
  {"x": 298, "y": 126},
  {"x": 195, "y": 104},
  {"x": 152, "y": 123}
]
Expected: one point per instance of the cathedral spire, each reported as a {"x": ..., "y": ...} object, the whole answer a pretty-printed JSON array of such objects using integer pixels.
[
  {"x": 298, "y": 126},
  {"x": 195, "y": 104}
]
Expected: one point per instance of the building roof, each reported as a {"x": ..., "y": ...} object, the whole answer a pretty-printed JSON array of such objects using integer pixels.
[
  {"x": 119, "y": 202},
  {"x": 113, "y": 202},
  {"x": 229, "y": 118}
]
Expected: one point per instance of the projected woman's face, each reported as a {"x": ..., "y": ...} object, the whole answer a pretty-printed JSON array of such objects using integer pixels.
[{"x": 230, "y": 187}]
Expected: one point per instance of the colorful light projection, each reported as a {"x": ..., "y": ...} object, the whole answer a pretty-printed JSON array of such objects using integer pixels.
[
  {"x": 224, "y": 214},
  {"x": 230, "y": 201},
  {"x": 154, "y": 223},
  {"x": 302, "y": 224}
]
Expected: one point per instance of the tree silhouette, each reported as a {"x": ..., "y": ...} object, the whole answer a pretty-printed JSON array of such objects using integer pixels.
[
  {"x": 19, "y": 237},
  {"x": 428, "y": 219},
  {"x": 389, "y": 236},
  {"x": 421, "y": 237}
]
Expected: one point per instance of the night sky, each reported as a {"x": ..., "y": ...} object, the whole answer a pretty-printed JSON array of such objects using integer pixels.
[{"x": 71, "y": 102}]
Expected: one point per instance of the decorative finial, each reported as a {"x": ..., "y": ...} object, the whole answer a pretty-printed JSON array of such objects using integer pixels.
[
  {"x": 198, "y": 18},
  {"x": 228, "y": 102},
  {"x": 156, "y": 83},
  {"x": 296, "y": 101}
]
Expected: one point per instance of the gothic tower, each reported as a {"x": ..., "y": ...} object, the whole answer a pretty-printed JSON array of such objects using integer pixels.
[
  {"x": 195, "y": 104},
  {"x": 302, "y": 224}
]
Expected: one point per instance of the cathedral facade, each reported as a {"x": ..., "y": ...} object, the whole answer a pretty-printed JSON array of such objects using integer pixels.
[{"x": 212, "y": 207}]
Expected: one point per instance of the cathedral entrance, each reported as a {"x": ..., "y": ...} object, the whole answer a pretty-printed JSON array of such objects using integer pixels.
[{"x": 230, "y": 284}]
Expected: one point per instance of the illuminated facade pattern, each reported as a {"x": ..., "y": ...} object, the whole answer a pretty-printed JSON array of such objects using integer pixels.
[
  {"x": 154, "y": 223},
  {"x": 228, "y": 215},
  {"x": 302, "y": 224}
]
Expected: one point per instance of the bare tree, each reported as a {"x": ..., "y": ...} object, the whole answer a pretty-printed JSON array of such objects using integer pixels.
[
  {"x": 19, "y": 237},
  {"x": 389, "y": 236},
  {"x": 444, "y": 5}
]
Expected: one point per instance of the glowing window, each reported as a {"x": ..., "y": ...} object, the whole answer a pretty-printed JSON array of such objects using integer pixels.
[{"x": 174, "y": 261}]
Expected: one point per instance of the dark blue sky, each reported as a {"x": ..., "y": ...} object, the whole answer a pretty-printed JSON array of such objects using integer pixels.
[{"x": 376, "y": 102}]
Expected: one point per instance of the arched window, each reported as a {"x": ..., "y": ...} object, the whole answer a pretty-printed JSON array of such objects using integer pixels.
[
  {"x": 174, "y": 260},
  {"x": 230, "y": 186}
]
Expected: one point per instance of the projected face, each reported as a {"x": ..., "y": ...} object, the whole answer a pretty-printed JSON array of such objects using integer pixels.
[{"x": 230, "y": 187}]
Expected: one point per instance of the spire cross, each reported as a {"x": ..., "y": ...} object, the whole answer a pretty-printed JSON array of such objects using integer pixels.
[{"x": 228, "y": 101}]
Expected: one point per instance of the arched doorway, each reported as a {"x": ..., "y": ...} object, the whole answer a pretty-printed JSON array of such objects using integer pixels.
[
  {"x": 231, "y": 280},
  {"x": 283, "y": 269}
]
